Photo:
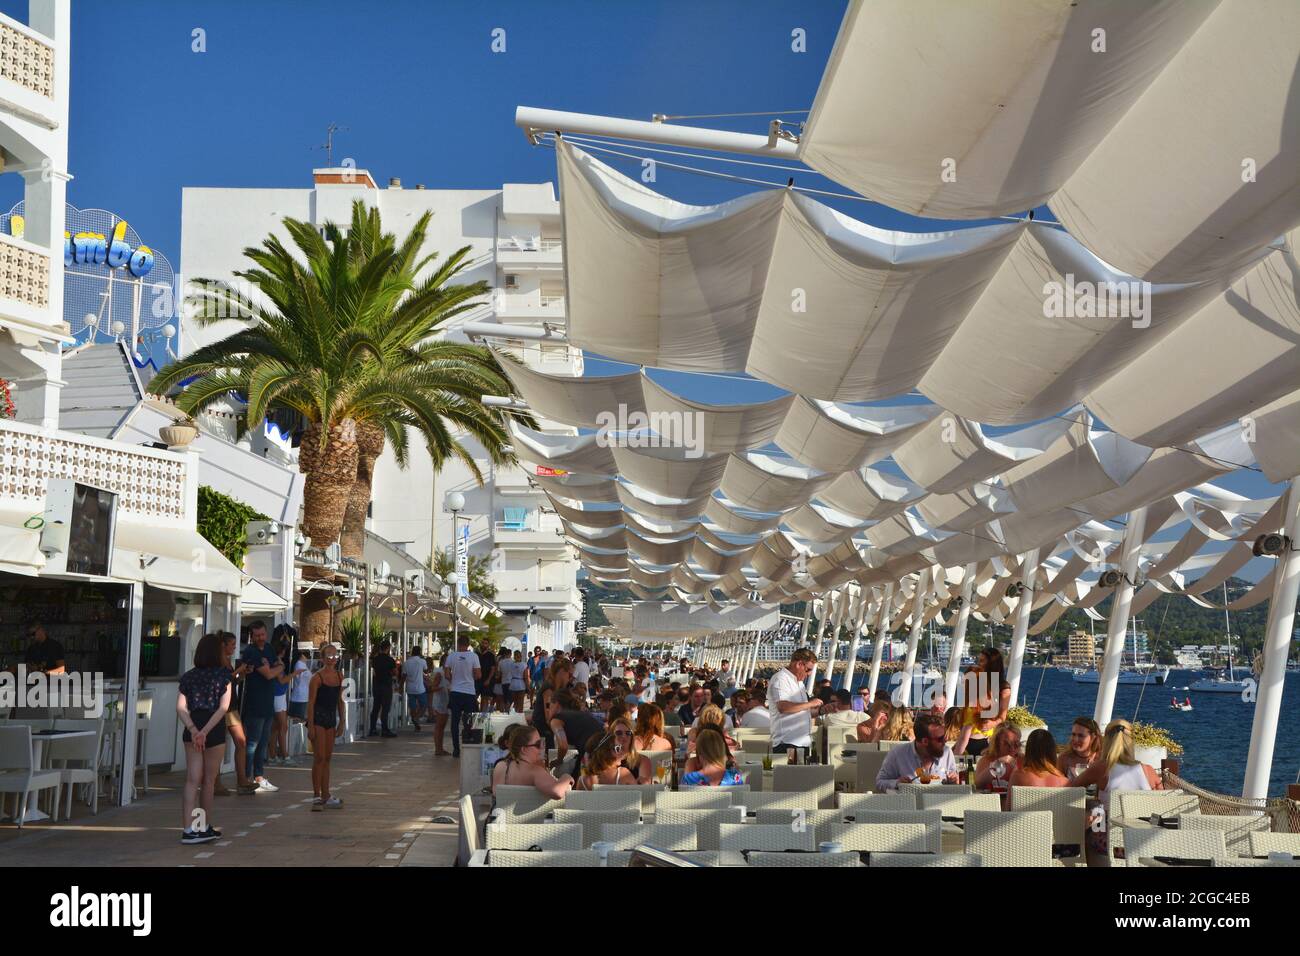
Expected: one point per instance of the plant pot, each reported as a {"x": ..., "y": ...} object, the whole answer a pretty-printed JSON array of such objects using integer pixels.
[
  {"x": 178, "y": 434},
  {"x": 1151, "y": 756}
]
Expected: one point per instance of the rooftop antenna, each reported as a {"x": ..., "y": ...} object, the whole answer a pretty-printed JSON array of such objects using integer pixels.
[{"x": 328, "y": 145}]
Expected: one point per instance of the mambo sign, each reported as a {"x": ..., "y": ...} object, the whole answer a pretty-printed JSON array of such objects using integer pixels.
[{"x": 94, "y": 249}]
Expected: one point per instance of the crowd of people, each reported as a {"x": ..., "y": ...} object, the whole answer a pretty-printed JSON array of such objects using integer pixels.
[{"x": 590, "y": 719}]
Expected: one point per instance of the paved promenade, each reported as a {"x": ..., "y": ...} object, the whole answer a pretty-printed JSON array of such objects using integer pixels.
[{"x": 393, "y": 790}]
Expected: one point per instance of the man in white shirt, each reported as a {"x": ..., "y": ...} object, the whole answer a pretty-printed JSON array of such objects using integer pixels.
[
  {"x": 928, "y": 757},
  {"x": 464, "y": 673},
  {"x": 581, "y": 669},
  {"x": 417, "y": 696},
  {"x": 726, "y": 680},
  {"x": 755, "y": 714},
  {"x": 791, "y": 712}
]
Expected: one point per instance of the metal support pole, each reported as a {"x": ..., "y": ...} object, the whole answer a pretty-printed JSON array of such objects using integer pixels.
[
  {"x": 365, "y": 619},
  {"x": 914, "y": 636},
  {"x": 1121, "y": 601},
  {"x": 1020, "y": 634},
  {"x": 958, "y": 645},
  {"x": 830, "y": 609},
  {"x": 852, "y": 663},
  {"x": 1277, "y": 643},
  {"x": 882, "y": 635},
  {"x": 807, "y": 617}
]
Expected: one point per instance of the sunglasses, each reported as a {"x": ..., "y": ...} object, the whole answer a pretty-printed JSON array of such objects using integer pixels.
[{"x": 535, "y": 743}]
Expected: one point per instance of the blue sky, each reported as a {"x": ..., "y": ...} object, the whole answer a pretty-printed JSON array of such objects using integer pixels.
[{"x": 421, "y": 95}]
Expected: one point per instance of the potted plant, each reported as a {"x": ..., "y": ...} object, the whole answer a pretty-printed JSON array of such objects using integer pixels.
[
  {"x": 180, "y": 432},
  {"x": 1026, "y": 721},
  {"x": 1152, "y": 744}
]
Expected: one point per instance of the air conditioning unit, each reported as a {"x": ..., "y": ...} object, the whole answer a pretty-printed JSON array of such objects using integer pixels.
[{"x": 261, "y": 532}]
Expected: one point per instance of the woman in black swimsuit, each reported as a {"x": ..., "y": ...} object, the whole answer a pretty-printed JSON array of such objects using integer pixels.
[{"x": 325, "y": 724}]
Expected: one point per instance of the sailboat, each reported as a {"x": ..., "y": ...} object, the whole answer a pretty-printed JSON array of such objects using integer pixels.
[
  {"x": 1137, "y": 674},
  {"x": 1220, "y": 684}
]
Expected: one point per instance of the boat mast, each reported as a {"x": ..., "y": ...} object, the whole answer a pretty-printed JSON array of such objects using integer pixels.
[{"x": 1227, "y": 629}]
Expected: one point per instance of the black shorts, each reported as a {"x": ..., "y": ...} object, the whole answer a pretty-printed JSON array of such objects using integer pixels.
[
  {"x": 328, "y": 719},
  {"x": 200, "y": 717},
  {"x": 298, "y": 708},
  {"x": 976, "y": 746}
]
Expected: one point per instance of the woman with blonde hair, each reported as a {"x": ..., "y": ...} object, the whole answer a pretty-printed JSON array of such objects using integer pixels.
[
  {"x": 952, "y": 723},
  {"x": 649, "y": 734},
  {"x": 711, "y": 717},
  {"x": 899, "y": 726},
  {"x": 524, "y": 765},
  {"x": 1000, "y": 761},
  {"x": 1085, "y": 746},
  {"x": 1117, "y": 766},
  {"x": 709, "y": 767},
  {"x": 607, "y": 761}
]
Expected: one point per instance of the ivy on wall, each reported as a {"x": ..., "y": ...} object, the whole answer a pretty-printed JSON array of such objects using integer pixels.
[{"x": 222, "y": 522}]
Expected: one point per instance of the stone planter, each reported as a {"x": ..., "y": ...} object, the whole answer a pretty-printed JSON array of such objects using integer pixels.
[{"x": 178, "y": 434}]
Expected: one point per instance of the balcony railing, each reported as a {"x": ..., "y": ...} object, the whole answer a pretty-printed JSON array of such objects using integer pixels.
[
  {"x": 149, "y": 483},
  {"x": 530, "y": 244},
  {"x": 25, "y": 60},
  {"x": 24, "y": 273}
]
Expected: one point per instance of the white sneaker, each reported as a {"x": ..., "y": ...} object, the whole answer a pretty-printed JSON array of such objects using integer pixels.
[
  {"x": 333, "y": 803},
  {"x": 266, "y": 786}
]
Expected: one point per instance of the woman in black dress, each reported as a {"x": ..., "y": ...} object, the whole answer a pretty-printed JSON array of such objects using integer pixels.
[
  {"x": 201, "y": 703},
  {"x": 325, "y": 724}
]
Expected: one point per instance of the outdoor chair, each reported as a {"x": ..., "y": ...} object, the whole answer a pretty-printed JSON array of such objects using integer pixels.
[
  {"x": 930, "y": 819},
  {"x": 767, "y": 858},
  {"x": 608, "y": 798},
  {"x": 853, "y": 802},
  {"x": 1236, "y": 830},
  {"x": 798, "y": 818},
  {"x": 752, "y": 836},
  {"x": 869, "y": 763},
  {"x": 1009, "y": 839},
  {"x": 954, "y": 802},
  {"x": 702, "y": 798},
  {"x": 794, "y": 800},
  {"x": 77, "y": 761},
  {"x": 877, "y": 837},
  {"x": 1262, "y": 844},
  {"x": 926, "y": 859},
  {"x": 661, "y": 836},
  {"x": 585, "y": 858},
  {"x": 1065, "y": 804},
  {"x": 707, "y": 823},
  {"x": 592, "y": 820},
  {"x": 809, "y": 778},
  {"x": 528, "y": 836},
  {"x": 1153, "y": 842},
  {"x": 19, "y": 776}
]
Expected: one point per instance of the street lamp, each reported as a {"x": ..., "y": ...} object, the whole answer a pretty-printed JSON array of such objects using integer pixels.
[
  {"x": 455, "y": 503},
  {"x": 453, "y": 580}
]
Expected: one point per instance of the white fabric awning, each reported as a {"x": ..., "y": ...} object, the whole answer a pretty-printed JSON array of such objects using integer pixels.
[{"x": 172, "y": 557}]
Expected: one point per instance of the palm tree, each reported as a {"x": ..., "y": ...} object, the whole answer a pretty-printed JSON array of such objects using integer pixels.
[{"x": 347, "y": 340}]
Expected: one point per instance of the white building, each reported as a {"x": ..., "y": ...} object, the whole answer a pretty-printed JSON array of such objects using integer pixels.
[{"x": 514, "y": 237}]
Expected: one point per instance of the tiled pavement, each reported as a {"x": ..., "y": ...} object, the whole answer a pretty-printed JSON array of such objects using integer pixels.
[{"x": 392, "y": 791}]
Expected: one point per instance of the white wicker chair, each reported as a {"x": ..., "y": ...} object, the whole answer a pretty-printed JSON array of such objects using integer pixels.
[
  {"x": 544, "y": 858},
  {"x": 1067, "y": 805},
  {"x": 1140, "y": 804},
  {"x": 517, "y": 813},
  {"x": 1140, "y": 843},
  {"x": 707, "y": 823},
  {"x": 1010, "y": 839},
  {"x": 1247, "y": 861},
  {"x": 852, "y": 802},
  {"x": 805, "y": 818},
  {"x": 930, "y": 819},
  {"x": 1262, "y": 844},
  {"x": 877, "y": 837},
  {"x": 755, "y": 743},
  {"x": 705, "y": 798},
  {"x": 869, "y": 763},
  {"x": 702, "y": 857},
  {"x": 765, "y": 858},
  {"x": 926, "y": 859},
  {"x": 751, "y": 836},
  {"x": 954, "y": 802},
  {"x": 647, "y": 790},
  {"x": 738, "y": 792},
  {"x": 509, "y": 795},
  {"x": 794, "y": 800},
  {"x": 606, "y": 798},
  {"x": 529, "y": 836},
  {"x": 469, "y": 827},
  {"x": 1236, "y": 830},
  {"x": 804, "y": 778},
  {"x": 661, "y": 836},
  {"x": 592, "y": 820}
]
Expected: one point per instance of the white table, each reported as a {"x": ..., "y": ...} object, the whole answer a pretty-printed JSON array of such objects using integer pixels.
[{"x": 33, "y": 815}]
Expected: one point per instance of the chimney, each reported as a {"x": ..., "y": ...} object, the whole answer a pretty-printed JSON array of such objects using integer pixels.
[{"x": 394, "y": 183}]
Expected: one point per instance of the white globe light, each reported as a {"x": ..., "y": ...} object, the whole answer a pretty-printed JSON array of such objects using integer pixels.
[
  {"x": 455, "y": 501},
  {"x": 169, "y": 331},
  {"x": 453, "y": 579},
  {"x": 118, "y": 327},
  {"x": 92, "y": 319}
]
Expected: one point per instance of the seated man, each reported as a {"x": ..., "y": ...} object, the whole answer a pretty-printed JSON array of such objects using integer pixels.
[{"x": 929, "y": 757}]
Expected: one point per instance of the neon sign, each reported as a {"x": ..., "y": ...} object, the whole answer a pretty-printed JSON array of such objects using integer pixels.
[{"x": 93, "y": 248}]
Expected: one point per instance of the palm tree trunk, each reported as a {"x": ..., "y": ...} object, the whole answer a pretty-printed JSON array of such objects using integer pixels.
[
  {"x": 331, "y": 471},
  {"x": 370, "y": 445}
]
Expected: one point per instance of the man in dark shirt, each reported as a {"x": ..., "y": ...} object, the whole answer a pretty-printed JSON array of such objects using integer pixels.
[
  {"x": 382, "y": 686},
  {"x": 487, "y": 662},
  {"x": 259, "y": 704},
  {"x": 44, "y": 654},
  {"x": 573, "y": 729},
  {"x": 691, "y": 709}
]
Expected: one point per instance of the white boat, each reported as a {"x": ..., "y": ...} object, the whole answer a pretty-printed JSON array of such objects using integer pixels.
[
  {"x": 1185, "y": 705},
  {"x": 1155, "y": 675},
  {"x": 1219, "y": 684}
]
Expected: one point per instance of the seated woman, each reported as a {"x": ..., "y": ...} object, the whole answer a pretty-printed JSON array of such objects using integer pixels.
[
  {"x": 899, "y": 725},
  {"x": 872, "y": 729},
  {"x": 709, "y": 767},
  {"x": 1038, "y": 768},
  {"x": 1117, "y": 767},
  {"x": 1000, "y": 761},
  {"x": 524, "y": 766},
  {"x": 952, "y": 723},
  {"x": 1085, "y": 745},
  {"x": 711, "y": 718},
  {"x": 650, "y": 729},
  {"x": 606, "y": 762}
]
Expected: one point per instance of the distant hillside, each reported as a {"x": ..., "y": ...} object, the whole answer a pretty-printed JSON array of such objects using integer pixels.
[{"x": 595, "y": 596}]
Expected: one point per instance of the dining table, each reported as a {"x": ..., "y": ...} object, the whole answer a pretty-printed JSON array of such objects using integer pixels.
[{"x": 39, "y": 740}]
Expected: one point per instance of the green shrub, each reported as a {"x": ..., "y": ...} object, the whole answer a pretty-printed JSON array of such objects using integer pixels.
[{"x": 222, "y": 521}]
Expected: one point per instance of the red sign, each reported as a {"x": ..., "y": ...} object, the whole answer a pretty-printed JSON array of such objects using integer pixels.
[{"x": 545, "y": 472}]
